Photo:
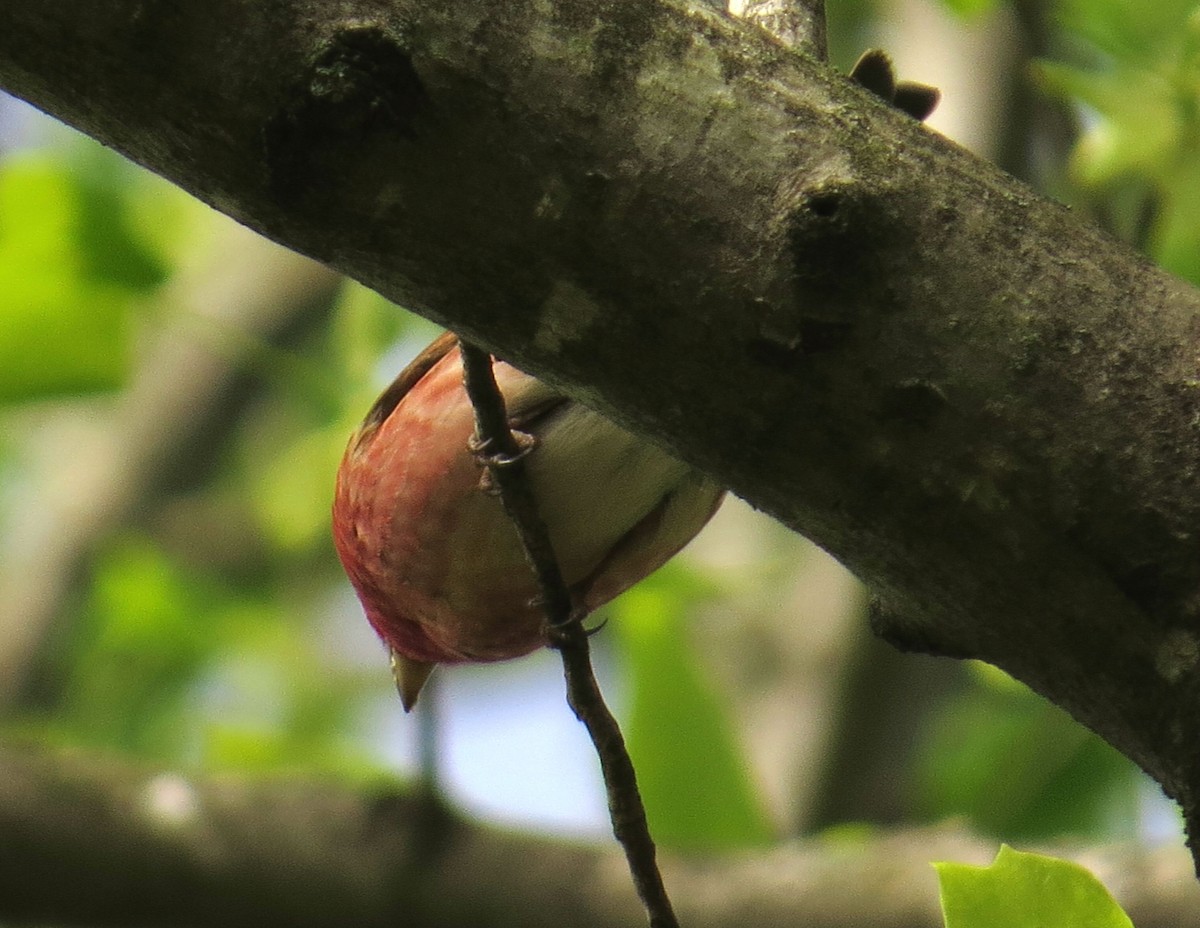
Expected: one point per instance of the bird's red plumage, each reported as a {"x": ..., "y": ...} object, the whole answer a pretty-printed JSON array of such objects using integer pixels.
[{"x": 434, "y": 559}]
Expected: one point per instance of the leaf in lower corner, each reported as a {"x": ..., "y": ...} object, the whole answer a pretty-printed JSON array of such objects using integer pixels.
[{"x": 1021, "y": 890}]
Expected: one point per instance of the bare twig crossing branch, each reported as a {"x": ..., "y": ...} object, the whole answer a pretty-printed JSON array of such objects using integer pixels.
[{"x": 504, "y": 456}]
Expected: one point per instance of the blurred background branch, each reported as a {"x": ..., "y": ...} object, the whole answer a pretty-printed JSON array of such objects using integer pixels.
[{"x": 147, "y": 847}]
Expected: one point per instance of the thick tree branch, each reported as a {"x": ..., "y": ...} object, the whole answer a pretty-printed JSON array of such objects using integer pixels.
[
  {"x": 104, "y": 843},
  {"x": 983, "y": 407}
]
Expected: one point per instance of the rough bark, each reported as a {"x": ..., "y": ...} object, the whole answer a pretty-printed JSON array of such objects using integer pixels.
[
  {"x": 985, "y": 408},
  {"x": 96, "y": 842}
]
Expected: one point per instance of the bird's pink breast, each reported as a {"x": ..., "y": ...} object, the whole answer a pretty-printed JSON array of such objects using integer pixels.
[{"x": 434, "y": 559}]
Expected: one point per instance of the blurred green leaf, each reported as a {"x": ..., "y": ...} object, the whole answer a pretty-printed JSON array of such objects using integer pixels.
[
  {"x": 294, "y": 493},
  {"x": 282, "y": 708},
  {"x": 83, "y": 234},
  {"x": 1022, "y": 890},
  {"x": 1015, "y": 766},
  {"x": 61, "y": 331},
  {"x": 112, "y": 194},
  {"x": 691, "y": 771},
  {"x": 364, "y": 325},
  {"x": 1135, "y": 70},
  {"x": 969, "y": 8},
  {"x": 170, "y": 663},
  {"x": 1175, "y": 242},
  {"x": 292, "y": 458},
  {"x": 1139, "y": 128},
  {"x": 146, "y": 630},
  {"x": 1130, "y": 31}
]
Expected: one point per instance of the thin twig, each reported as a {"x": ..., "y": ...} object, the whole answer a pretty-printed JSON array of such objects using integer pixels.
[{"x": 504, "y": 453}]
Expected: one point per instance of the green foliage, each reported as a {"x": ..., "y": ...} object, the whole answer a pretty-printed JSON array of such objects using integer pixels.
[
  {"x": 145, "y": 629},
  {"x": 692, "y": 772},
  {"x": 1131, "y": 32},
  {"x": 968, "y": 8},
  {"x": 73, "y": 266},
  {"x": 194, "y": 638},
  {"x": 1022, "y": 890},
  {"x": 1018, "y": 767},
  {"x": 302, "y": 471},
  {"x": 179, "y": 664},
  {"x": 1135, "y": 67},
  {"x": 128, "y": 220},
  {"x": 61, "y": 329},
  {"x": 290, "y": 462}
]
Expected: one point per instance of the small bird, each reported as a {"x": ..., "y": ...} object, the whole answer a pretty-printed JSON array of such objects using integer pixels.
[{"x": 435, "y": 560}]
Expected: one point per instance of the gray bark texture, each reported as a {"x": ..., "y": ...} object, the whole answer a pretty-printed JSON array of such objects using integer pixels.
[{"x": 987, "y": 409}]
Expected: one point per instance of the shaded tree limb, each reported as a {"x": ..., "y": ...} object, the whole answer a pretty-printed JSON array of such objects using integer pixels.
[
  {"x": 100, "y": 842},
  {"x": 982, "y": 406}
]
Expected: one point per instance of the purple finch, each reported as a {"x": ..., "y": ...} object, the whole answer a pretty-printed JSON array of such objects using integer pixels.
[{"x": 435, "y": 560}]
